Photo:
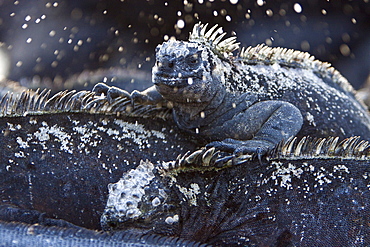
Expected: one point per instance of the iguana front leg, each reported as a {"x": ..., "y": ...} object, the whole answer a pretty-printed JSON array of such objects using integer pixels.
[
  {"x": 150, "y": 96},
  {"x": 259, "y": 128},
  {"x": 110, "y": 91}
]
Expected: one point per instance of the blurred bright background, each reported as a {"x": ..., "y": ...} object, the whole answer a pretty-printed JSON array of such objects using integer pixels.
[{"x": 74, "y": 44}]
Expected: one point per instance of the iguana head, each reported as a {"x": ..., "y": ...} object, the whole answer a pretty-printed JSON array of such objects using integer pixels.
[
  {"x": 184, "y": 71},
  {"x": 193, "y": 71}
]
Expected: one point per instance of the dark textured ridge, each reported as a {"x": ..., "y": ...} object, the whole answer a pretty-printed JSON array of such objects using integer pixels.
[
  {"x": 16, "y": 234},
  {"x": 262, "y": 54},
  {"x": 352, "y": 148},
  {"x": 330, "y": 147},
  {"x": 36, "y": 102}
]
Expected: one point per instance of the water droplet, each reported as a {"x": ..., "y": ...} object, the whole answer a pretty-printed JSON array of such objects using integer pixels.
[
  {"x": 54, "y": 64},
  {"x": 269, "y": 12},
  {"x": 52, "y": 33},
  {"x": 268, "y": 42},
  {"x": 297, "y": 8},
  {"x": 180, "y": 24},
  {"x": 345, "y": 50},
  {"x": 305, "y": 45},
  {"x": 346, "y": 37}
]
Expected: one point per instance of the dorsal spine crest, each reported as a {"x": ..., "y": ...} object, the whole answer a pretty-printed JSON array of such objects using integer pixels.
[{"x": 262, "y": 54}]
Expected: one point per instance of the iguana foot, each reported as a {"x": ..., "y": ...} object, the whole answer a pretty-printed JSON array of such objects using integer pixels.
[
  {"x": 110, "y": 92},
  {"x": 256, "y": 147},
  {"x": 149, "y": 96}
]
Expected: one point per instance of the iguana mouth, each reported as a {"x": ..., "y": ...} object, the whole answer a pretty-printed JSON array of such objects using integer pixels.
[
  {"x": 166, "y": 89},
  {"x": 178, "y": 89},
  {"x": 171, "y": 81}
]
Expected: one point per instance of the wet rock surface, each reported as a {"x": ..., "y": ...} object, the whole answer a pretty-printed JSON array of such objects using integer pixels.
[{"x": 61, "y": 164}]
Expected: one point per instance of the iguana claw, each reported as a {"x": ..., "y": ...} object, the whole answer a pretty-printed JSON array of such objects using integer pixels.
[
  {"x": 237, "y": 147},
  {"x": 110, "y": 92}
]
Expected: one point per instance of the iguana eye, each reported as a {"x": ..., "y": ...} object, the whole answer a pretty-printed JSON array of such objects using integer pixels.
[{"x": 193, "y": 59}]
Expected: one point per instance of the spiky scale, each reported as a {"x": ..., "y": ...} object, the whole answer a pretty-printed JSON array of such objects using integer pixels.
[
  {"x": 194, "y": 156},
  {"x": 219, "y": 38},
  {"x": 207, "y": 156},
  {"x": 210, "y": 33}
]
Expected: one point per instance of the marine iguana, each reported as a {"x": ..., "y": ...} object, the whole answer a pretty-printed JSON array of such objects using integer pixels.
[
  {"x": 306, "y": 192},
  {"x": 251, "y": 102}
]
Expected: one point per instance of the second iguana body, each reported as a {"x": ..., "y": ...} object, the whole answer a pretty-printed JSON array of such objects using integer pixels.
[{"x": 251, "y": 102}]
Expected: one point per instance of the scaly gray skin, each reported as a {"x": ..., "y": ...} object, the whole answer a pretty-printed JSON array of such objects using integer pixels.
[
  {"x": 24, "y": 235},
  {"x": 61, "y": 152},
  {"x": 249, "y": 103}
]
